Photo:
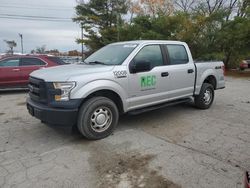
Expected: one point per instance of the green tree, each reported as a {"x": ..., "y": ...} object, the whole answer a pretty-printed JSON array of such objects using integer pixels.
[
  {"x": 100, "y": 20},
  {"x": 213, "y": 29},
  {"x": 234, "y": 40}
]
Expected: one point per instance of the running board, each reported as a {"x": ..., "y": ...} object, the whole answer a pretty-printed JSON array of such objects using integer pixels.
[{"x": 158, "y": 106}]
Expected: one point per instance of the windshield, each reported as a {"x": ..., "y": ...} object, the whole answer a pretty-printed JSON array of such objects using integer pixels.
[{"x": 111, "y": 55}]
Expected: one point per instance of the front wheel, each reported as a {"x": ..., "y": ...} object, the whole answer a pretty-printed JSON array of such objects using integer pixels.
[
  {"x": 206, "y": 97},
  {"x": 97, "y": 118}
]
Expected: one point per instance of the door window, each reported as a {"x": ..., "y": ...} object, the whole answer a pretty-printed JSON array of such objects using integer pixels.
[
  {"x": 31, "y": 62},
  {"x": 177, "y": 54},
  {"x": 150, "y": 53},
  {"x": 9, "y": 63}
]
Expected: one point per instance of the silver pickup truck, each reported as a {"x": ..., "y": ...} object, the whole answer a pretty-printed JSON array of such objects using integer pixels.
[{"x": 125, "y": 77}]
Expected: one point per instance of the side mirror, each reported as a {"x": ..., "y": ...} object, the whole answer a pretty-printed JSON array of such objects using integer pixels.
[{"x": 140, "y": 66}]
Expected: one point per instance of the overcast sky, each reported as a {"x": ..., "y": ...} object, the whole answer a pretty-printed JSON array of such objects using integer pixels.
[{"x": 59, "y": 35}]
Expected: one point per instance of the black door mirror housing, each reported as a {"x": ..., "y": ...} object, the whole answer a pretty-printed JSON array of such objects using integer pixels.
[{"x": 140, "y": 66}]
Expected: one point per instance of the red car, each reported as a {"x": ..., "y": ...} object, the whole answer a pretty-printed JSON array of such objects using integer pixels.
[
  {"x": 245, "y": 64},
  {"x": 15, "y": 70}
]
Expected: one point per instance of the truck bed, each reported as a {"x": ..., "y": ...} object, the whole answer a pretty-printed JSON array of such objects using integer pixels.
[{"x": 205, "y": 68}]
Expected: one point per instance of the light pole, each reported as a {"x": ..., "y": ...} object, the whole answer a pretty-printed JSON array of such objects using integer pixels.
[{"x": 21, "y": 36}]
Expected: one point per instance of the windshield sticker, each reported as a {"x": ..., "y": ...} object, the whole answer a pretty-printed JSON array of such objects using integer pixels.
[
  {"x": 120, "y": 74},
  {"x": 148, "y": 82},
  {"x": 129, "y": 45}
]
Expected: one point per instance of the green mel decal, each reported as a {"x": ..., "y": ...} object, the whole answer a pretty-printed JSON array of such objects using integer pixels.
[{"x": 148, "y": 81}]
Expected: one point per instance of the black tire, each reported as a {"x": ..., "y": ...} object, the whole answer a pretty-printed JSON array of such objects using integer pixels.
[
  {"x": 87, "y": 122},
  {"x": 200, "y": 101}
]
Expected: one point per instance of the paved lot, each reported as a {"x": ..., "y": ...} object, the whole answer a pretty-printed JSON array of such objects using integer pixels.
[{"x": 174, "y": 147}]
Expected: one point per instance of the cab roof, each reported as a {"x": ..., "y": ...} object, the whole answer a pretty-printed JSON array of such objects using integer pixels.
[{"x": 150, "y": 42}]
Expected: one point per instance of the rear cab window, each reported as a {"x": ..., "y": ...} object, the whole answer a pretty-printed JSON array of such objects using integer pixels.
[
  {"x": 177, "y": 54},
  {"x": 10, "y": 62},
  {"x": 29, "y": 61}
]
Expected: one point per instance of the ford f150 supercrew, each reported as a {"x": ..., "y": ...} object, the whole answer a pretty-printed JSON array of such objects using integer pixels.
[{"x": 125, "y": 77}]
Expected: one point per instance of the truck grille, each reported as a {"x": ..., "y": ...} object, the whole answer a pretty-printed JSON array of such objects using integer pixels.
[{"x": 37, "y": 90}]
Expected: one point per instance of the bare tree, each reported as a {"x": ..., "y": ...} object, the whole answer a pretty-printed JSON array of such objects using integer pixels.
[
  {"x": 243, "y": 5},
  {"x": 41, "y": 49},
  {"x": 133, "y": 8},
  {"x": 231, "y": 6},
  {"x": 214, "y": 5},
  {"x": 153, "y": 7},
  {"x": 11, "y": 44},
  {"x": 185, "y": 5}
]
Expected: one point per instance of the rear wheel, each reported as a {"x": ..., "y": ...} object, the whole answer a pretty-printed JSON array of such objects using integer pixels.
[
  {"x": 97, "y": 118},
  {"x": 206, "y": 97}
]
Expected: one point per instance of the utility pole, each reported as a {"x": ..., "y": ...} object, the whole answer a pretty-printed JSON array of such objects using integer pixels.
[
  {"x": 82, "y": 40},
  {"x": 21, "y": 36}
]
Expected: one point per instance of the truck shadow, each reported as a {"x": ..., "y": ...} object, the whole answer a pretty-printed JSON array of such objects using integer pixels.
[
  {"x": 144, "y": 120},
  {"x": 13, "y": 92},
  {"x": 158, "y": 116}
]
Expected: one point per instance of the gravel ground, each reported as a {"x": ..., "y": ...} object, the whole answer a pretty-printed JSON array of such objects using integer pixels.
[{"x": 174, "y": 147}]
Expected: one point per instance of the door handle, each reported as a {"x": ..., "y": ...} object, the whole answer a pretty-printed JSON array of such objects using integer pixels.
[
  {"x": 15, "y": 70},
  {"x": 164, "y": 74},
  {"x": 190, "y": 71}
]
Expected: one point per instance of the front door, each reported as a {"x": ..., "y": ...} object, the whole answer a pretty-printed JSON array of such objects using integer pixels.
[{"x": 148, "y": 87}]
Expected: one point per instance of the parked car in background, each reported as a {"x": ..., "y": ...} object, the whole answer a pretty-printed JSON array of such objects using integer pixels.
[
  {"x": 71, "y": 59},
  {"x": 245, "y": 64},
  {"x": 15, "y": 69}
]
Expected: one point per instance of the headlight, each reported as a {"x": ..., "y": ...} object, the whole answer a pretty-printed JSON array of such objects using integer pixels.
[{"x": 65, "y": 88}]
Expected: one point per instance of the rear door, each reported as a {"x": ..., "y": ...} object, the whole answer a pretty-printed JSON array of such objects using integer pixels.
[
  {"x": 9, "y": 73},
  {"x": 27, "y": 66},
  {"x": 181, "y": 71}
]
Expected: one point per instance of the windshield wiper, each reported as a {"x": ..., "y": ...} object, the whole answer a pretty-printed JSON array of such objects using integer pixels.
[{"x": 96, "y": 62}]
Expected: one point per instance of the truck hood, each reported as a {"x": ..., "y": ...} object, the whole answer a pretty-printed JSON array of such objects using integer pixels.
[{"x": 64, "y": 72}]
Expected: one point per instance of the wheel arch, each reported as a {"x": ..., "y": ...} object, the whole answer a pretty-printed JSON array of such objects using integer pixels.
[
  {"x": 207, "y": 77},
  {"x": 110, "y": 94},
  {"x": 211, "y": 79},
  {"x": 106, "y": 88}
]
